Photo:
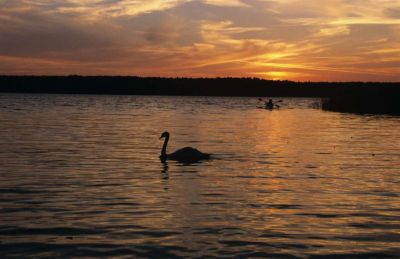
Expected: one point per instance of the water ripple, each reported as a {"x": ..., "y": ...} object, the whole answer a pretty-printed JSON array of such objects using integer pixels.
[{"x": 80, "y": 177}]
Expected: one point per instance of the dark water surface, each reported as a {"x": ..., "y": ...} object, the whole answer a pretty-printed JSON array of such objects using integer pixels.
[{"x": 80, "y": 176}]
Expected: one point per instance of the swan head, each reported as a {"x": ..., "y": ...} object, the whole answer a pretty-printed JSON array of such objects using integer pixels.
[{"x": 164, "y": 135}]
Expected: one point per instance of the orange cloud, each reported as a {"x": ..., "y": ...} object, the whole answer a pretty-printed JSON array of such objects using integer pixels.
[{"x": 286, "y": 39}]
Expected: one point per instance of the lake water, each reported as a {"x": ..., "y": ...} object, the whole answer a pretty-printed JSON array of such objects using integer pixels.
[{"x": 80, "y": 176}]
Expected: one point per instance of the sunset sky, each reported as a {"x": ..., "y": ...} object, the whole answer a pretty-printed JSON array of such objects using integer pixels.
[{"x": 301, "y": 40}]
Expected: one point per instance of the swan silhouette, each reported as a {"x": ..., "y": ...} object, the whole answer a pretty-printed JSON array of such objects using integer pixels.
[{"x": 183, "y": 155}]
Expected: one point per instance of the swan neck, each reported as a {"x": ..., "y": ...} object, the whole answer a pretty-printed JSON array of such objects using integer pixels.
[{"x": 164, "y": 148}]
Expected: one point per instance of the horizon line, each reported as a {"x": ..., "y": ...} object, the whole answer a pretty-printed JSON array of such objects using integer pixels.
[{"x": 201, "y": 78}]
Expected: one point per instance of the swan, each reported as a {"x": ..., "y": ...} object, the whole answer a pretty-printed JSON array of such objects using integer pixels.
[{"x": 184, "y": 155}]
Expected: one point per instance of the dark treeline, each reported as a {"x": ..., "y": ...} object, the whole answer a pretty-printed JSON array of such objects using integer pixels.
[
  {"x": 188, "y": 86},
  {"x": 342, "y": 96}
]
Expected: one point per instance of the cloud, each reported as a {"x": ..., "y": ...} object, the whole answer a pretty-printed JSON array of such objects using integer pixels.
[
  {"x": 226, "y": 2},
  {"x": 285, "y": 39},
  {"x": 393, "y": 12},
  {"x": 334, "y": 31},
  {"x": 37, "y": 32}
]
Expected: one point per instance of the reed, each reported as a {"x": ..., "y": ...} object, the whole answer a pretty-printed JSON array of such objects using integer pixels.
[{"x": 363, "y": 104}]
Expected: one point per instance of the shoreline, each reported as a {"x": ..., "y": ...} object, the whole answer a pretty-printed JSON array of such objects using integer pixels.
[{"x": 355, "y": 97}]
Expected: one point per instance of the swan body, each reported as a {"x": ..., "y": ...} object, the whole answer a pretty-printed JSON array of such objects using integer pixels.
[{"x": 183, "y": 155}]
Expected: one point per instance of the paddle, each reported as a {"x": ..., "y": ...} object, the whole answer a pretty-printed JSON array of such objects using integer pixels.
[{"x": 261, "y": 100}]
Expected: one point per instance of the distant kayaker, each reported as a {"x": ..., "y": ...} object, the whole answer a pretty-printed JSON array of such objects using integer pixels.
[{"x": 270, "y": 104}]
